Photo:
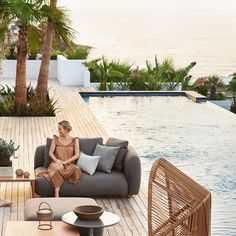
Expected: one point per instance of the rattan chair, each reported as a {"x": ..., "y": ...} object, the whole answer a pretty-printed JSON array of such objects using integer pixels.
[{"x": 177, "y": 205}]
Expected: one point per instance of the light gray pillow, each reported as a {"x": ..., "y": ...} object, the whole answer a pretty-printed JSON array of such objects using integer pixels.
[
  {"x": 107, "y": 157},
  {"x": 88, "y": 163}
]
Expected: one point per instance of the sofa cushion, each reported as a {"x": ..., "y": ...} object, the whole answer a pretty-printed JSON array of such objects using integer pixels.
[
  {"x": 98, "y": 184},
  {"x": 88, "y": 163},
  {"x": 47, "y": 158},
  {"x": 107, "y": 157},
  {"x": 123, "y": 144},
  {"x": 87, "y": 145}
]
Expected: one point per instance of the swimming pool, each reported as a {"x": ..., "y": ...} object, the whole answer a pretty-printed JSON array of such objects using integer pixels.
[{"x": 200, "y": 139}]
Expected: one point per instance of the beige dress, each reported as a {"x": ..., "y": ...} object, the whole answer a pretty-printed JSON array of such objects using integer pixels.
[{"x": 70, "y": 172}]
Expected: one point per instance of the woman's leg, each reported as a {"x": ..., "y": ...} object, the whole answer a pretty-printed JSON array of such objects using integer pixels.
[
  {"x": 56, "y": 177},
  {"x": 57, "y": 190}
]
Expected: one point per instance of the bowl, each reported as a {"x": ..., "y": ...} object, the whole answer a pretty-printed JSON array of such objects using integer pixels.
[{"x": 88, "y": 212}]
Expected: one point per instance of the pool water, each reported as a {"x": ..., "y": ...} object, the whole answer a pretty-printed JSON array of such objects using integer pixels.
[{"x": 199, "y": 139}]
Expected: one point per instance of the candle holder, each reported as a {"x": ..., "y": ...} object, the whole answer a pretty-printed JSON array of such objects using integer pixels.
[{"x": 45, "y": 216}]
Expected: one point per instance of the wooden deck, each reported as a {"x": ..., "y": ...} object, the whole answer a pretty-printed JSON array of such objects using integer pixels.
[{"x": 30, "y": 132}]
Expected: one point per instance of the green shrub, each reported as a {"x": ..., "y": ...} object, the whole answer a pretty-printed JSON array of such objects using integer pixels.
[
  {"x": 124, "y": 68},
  {"x": 202, "y": 89},
  {"x": 33, "y": 108},
  {"x": 54, "y": 55},
  {"x": 137, "y": 83},
  {"x": 79, "y": 53},
  {"x": 11, "y": 55},
  {"x": 32, "y": 56},
  {"x": 220, "y": 96}
]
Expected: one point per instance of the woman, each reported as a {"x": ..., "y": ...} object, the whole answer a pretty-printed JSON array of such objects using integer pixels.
[{"x": 64, "y": 151}]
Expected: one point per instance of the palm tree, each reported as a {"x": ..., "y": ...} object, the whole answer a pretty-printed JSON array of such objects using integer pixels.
[
  {"x": 57, "y": 23},
  {"x": 25, "y": 12},
  {"x": 3, "y": 32},
  {"x": 212, "y": 83}
]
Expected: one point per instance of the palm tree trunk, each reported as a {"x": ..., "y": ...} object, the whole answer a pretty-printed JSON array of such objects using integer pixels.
[
  {"x": 20, "y": 88},
  {"x": 1, "y": 57},
  {"x": 42, "y": 84},
  {"x": 212, "y": 92}
]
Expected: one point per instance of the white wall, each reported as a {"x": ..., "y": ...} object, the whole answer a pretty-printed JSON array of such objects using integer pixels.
[
  {"x": 32, "y": 69},
  {"x": 72, "y": 72},
  {"x": 68, "y": 72}
]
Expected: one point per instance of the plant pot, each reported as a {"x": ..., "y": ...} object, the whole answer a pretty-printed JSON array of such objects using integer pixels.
[
  {"x": 5, "y": 161},
  {"x": 233, "y": 108}
]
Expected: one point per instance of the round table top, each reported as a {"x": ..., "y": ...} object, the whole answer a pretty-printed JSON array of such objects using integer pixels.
[{"x": 105, "y": 220}]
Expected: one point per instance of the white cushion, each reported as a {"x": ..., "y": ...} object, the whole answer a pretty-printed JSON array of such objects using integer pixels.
[{"x": 88, "y": 163}]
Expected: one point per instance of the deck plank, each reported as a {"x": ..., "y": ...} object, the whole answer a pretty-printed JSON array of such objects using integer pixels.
[{"x": 29, "y": 132}]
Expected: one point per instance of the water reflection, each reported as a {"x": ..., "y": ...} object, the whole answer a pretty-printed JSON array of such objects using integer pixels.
[{"x": 198, "y": 138}]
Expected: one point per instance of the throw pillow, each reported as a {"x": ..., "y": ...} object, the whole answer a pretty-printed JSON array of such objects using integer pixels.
[
  {"x": 87, "y": 145},
  {"x": 115, "y": 142},
  {"x": 123, "y": 144},
  {"x": 88, "y": 163},
  {"x": 47, "y": 158},
  {"x": 107, "y": 157}
]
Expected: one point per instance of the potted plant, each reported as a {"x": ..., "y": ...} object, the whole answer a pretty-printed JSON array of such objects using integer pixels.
[
  {"x": 7, "y": 149},
  {"x": 232, "y": 87}
]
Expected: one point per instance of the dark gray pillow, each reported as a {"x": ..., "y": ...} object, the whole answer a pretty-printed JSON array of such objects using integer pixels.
[
  {"x": 107, "y": 157},
  {"x": 88, "y": 145},
  {"x": 115, "y": 142},
  {"x": 123, "y": 144},
  {"x": 47, "y": 158}
]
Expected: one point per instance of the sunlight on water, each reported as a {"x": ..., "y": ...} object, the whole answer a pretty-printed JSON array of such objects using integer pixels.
[
  {"x": 136, "y": 30},
  {"x": 200, "y": 139}
]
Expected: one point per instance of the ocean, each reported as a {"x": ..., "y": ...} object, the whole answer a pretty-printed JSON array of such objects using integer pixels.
[{"x": 134, "y": 31}]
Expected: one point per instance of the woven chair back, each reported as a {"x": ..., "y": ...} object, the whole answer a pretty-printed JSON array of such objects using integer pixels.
[{"x": 177, "y": 205}]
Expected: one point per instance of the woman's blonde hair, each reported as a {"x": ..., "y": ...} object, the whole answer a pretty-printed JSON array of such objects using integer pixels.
[{"x": 66, "y": 125}]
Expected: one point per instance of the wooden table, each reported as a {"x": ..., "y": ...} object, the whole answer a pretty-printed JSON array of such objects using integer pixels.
[
  {"x": 24, "y": 228},
  {"x": 14, "y": 178}
]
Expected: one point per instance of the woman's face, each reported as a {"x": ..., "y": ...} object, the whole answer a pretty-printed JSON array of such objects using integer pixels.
[{"x": 62, "y": 131}]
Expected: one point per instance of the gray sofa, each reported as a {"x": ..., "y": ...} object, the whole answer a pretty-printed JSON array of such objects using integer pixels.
[{"x": 124, "y": 182}]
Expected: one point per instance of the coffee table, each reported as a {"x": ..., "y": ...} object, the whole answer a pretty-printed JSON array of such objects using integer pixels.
[
  {"x": 14, "y": 178},
  {"x": 24, "y": 228},
  {"x": 105, "y": 220}
]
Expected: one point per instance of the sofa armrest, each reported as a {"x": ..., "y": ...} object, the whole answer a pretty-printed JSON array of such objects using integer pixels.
[
  {"x": 132, "y": 170},
  {"x": 39, "y": 156}
]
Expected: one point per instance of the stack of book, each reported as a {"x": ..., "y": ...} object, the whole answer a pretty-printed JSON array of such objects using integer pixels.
[{"x": 6, "y": 171}]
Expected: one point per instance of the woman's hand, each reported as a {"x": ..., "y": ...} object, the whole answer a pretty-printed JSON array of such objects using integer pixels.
[{"x": 59, "y": 164}]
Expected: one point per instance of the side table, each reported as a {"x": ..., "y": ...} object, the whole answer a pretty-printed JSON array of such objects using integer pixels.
[
  {"x": 14, "y": 178},
  {"x": 105, "y": 220}
]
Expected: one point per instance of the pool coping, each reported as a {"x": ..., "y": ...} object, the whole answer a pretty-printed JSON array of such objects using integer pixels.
[{"x": 192, "y": 95}]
